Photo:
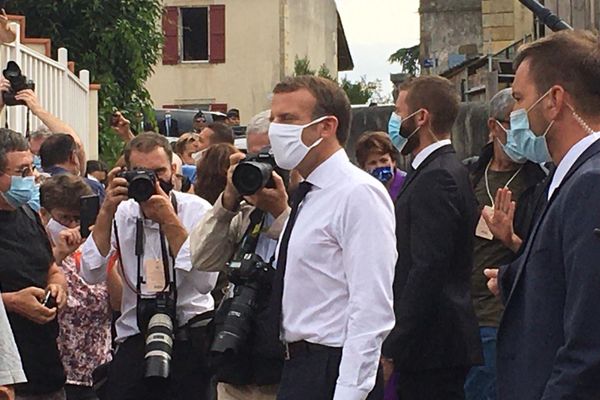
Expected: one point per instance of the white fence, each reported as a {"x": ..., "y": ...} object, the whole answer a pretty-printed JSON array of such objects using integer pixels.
[{"x": 58, "y": 90}]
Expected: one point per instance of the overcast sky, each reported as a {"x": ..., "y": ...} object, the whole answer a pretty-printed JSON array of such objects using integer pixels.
[{"x": 375, "y": 29}]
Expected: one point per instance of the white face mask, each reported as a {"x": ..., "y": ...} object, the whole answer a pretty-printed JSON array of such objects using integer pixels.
[
  {"x": 287, "y": 145},
  {"x": 54, "y": 229}
]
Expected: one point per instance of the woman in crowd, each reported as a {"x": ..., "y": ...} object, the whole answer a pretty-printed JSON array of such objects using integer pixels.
[{"x": 212, "y": 169}]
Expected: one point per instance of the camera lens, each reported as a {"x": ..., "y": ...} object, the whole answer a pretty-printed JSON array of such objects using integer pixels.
[
  {"x": 250, "y": 177},
  {"x": 141, "y": 187},
  {"x": 159, "y": 346}
]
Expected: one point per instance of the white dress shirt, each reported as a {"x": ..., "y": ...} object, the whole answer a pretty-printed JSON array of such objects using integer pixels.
[
  {"x": 11, "y": 369},
  {"x": 193, "y": 286},
  {"x": 427, "y": 151},
  {"x": 340, "y": 269},
  {"x": 569, "y": 160}
]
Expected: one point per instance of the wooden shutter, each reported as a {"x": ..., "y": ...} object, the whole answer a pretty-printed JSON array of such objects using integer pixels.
[
  {"x": 170, "y": 25},
  {"x": 221, "y": 107},
  {"x": 217, "y": 34}
]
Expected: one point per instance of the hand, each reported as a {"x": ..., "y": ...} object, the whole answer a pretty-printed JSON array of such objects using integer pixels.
[
  {"x": 231, "y": 197},
  {"x": 274, "y": 201},
  {"x": 59, "y": 294},
  {"x": 116, "y": 192},
  {"x": 67, "y": 242},
  {"x": 501, "y": 220},
  {"x": 7, "y": 34},
  {"x": 7, "y": 393},
  {"x": 121, "y": 126},
  {"x": 27, "y": 302},
  {"x": 158, "y": 207},
  {"x": 492, "y": 284},
  {"x": 31, "y": 100}
]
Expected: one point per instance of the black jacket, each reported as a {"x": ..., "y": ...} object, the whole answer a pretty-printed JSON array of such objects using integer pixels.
[
  {"x": 173, "y": 132},
  {"x": 436, "y": 212}
]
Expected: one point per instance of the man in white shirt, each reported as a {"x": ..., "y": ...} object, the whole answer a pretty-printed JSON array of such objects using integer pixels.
[
  {"x": 11, "y": 369},
  {"x": 336, "y": 256},
  {"x": 164, "y": 220}
]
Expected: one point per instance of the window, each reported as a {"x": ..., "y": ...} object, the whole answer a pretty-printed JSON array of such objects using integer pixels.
[{"x": 194, "y": 35}]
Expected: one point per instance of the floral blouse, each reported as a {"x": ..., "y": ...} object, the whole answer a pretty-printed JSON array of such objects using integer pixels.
[{"x": 85, "y": 338}]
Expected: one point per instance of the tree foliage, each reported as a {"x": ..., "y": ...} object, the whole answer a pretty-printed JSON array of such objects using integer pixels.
[
  {"x": 118, "y": 41},
  {"x": 409, "y": 59},
  {"x": 359, "y": 92}
]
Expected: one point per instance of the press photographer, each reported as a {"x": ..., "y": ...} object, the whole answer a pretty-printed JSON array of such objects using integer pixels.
[
  {"x": 166, "y": 305},
  {"x": 239, "y": 235}
]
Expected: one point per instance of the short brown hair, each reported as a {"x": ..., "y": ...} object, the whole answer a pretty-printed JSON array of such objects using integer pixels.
[
  {"x": 378, "y": 142},
  {"x": 331, "y": 100},
  {"x": 212, "y": 169},
  {"x": 221, "y": 133},
  {"x": 147, "y": 142},
  {"x": 435, "y": 94},
  {"x": 183, "y": 141},
  {"x": 570, "y": 59},
  {"x": 63, "y": 191}
]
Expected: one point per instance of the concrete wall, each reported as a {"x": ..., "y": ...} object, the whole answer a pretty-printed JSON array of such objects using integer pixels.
[
  {"x": 448, "y": 25},
  {"x": 504, "y": 22}
]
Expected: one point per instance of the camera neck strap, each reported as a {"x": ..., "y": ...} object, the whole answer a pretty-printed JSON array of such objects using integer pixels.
[{"x": 28, "y": 124}]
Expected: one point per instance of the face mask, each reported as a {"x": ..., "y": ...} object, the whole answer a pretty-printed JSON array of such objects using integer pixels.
[
  {"x": 394, "y": 125},
  {"x": 166, "y": 186},
  {"x": 37, "y": 162},
  {"x": 287, "y": 145},
  {"x": 34, "y": 202},
  {"x": 54, "y": 229},
  {"x": 526, "y": 142},
  {"x": 21, "y": 191},
  {"x": 510, "y": 148},
  {"x": 383, "y": 174}
]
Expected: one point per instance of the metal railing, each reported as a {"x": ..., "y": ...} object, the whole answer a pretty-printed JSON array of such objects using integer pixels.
[{"x": 58, "y": 90}]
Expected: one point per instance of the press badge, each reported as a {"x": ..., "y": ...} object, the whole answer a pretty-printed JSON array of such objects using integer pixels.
[
  {"x": 155, "y": 275},
  {"x": 483, "y": 230}
]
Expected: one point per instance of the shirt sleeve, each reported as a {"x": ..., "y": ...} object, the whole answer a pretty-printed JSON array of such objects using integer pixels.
[
  {"x": 367, "y": 237},
  {"x": 11, "y": 369},
  {"x": 93, "y": 264},
  {"x": 277, "y": 226}
]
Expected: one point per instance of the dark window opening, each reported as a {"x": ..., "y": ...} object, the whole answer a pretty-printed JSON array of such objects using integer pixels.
[{"x": 194, "y": 24}]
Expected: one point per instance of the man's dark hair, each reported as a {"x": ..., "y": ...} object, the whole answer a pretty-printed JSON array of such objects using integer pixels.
[
  {"x": 438, "y": 96},
  {"x": 57, "y": 149},
  {"x": 570, "y": 59},
  {"x": 10, "y": 141},
  {"x": 233, "y": 112},
  {"x": 94, "y": 166},
  {"x": 63, "y": 191},
  {"x": 331, "y": 100},
  {"x": 222, "y": 133},
  {"x": 377, "y": 142},
  {"x": 147, "y": 142}
]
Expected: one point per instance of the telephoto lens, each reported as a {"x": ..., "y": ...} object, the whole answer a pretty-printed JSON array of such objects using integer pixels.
[
  {"x": 159, "y": 346},
  {"x": 251, "y": 176}
]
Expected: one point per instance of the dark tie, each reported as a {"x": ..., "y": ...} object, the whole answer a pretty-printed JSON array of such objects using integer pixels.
[{"x": 277, "y": 294}]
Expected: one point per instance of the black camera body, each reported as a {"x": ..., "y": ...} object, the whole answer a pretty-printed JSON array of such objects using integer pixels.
[
  {"x": 142, "y": 183},
  {"x": 18, "y": 82},
  {"x": 254, "y": 173}
]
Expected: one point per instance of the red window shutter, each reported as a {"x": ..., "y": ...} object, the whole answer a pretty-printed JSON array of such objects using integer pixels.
[
  {"x": 217, "y": 34},
  {"x": 170, "y": 25},
  {"x": 221, "y": 107}
]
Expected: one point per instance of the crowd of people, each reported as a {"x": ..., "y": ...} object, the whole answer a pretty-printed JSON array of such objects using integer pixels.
[{"x": 284, "y": 271}]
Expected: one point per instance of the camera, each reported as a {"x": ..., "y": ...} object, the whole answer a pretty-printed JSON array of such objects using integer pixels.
[
  {"x": 141, "y": 183},
  {"x": 18, "y": 82},
  {"x": 250, "y": 276},
  {"x": 156, "y": 318},
  {"x": 254, "y": 173}
]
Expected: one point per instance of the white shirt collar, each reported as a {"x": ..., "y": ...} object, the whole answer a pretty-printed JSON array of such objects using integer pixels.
[
  {"x": 427, "y": 151},
  {"x": 92, "y": 178},
  {"x": 569, "y": 160},
  {"x": 324, "y": 174}
]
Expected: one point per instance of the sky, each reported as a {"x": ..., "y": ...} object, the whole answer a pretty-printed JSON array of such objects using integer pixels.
[{"x": 375, "y": 29}]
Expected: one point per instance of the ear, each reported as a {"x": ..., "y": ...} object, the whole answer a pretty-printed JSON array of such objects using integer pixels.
[
  {"x": 423, "y": 117},
  {"x": 557, "y": 102},
  {"x": 492, "y": 126},
  {"x": 173, "y": 171},
  {"x": 329, "y": 127}
]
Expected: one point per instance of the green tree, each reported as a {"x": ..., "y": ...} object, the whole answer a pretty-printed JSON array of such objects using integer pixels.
[
  {"x": 118, "y": 41},
  {"x": 302, "y": 67},
  {"x": 409, "y": 59},
  {"x": 358, "y": 92}
]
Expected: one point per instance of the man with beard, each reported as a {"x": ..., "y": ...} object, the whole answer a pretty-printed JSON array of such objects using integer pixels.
[{"x": 436, "y": 338}]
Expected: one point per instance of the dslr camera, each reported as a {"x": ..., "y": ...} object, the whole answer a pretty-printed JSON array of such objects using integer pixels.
[
  {"x": 18, "y": 82},
  {"x": 254, "y": 173},
  {"x": 141, "y": 183}
]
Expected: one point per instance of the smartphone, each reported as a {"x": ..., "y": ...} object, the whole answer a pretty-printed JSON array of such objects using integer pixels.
[
  {"x": 89, "y": 207},
  {"x": 49, "y": 300}
]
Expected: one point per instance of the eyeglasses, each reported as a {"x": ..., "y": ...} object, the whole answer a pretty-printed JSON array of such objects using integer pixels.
[{"x": 22, "y": 172}]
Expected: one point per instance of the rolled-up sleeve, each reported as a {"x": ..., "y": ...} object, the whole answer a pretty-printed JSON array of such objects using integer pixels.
[
  {"x": 367, "y": 235},
  {"x": 11, "y": 369},
  {"x": 93, "y": 264}
]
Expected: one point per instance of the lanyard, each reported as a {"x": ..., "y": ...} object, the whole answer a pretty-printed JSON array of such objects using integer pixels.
[{"x": 487, "y": 182}]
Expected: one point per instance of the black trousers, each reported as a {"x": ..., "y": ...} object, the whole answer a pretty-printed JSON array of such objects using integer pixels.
[
  {"x": 189, "y": 380},
  {"x": 446, "y": 384},
  {"x": 314, "y": 375}
]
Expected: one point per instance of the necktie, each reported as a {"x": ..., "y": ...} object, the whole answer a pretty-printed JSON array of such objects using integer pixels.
[{"x": 277, "y": 293}]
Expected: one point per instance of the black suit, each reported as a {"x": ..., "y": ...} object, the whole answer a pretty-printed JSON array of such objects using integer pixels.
[
  {"x": 549, "y": 337},
  {"x": 173, "y": 129},
  {"x": 436, "y": 338}
]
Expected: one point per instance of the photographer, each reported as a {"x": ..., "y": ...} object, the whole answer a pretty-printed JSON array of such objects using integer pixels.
[
  {"x": 257, "y": 371},
  {"x": 151, "y": 235}
]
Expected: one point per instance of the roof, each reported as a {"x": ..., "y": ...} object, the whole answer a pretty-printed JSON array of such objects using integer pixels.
[{"x": 345, "y": 62}]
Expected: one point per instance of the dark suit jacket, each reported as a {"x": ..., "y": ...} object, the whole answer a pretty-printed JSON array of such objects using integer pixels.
[
  {"x": 436, "y": 212},
  {"x": 549, "y": 337},
  {"x": 173, "y": 132}
]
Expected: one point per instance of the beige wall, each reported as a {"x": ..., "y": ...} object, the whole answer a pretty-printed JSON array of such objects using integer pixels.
[
  {"x": 504, "y": 22},
  {"x": 256, "y": 33}
]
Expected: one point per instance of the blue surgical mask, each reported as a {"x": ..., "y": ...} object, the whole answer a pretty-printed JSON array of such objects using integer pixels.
[
  {"x": 510, "y": 148},
  {"x": 394, "y": 125},
  {"x": 383, "y": 174},
  {"x": 522, "y": 139},
  {"x": 22, "y": 190},
  {"x": 37, "y": 162}
]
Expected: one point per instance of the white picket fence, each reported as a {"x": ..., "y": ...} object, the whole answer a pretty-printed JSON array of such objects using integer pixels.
[{"x": 58, "y": 90}]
